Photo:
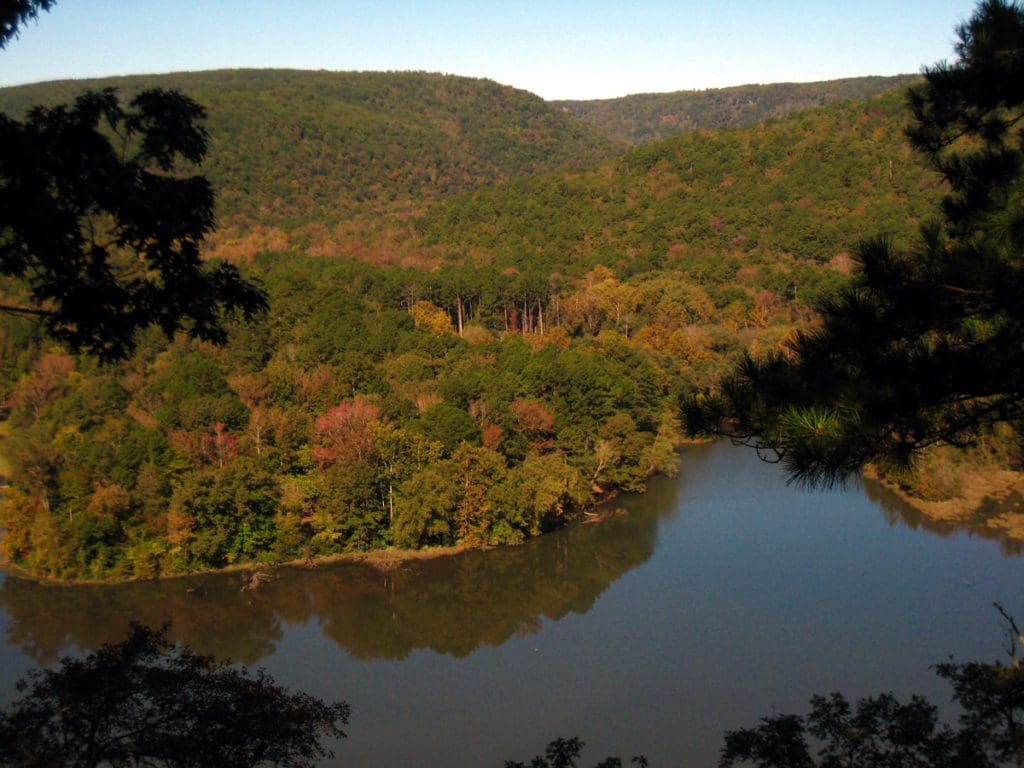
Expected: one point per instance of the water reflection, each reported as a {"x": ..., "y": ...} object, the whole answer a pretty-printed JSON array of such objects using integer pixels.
[
  {"x": 715, "y": 598},
  {"x": 899, "y": 512},
  {"x": 451, "y": 605}
]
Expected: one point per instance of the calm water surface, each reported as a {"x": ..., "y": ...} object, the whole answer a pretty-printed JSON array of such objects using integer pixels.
[{"x": 720, "y": 596}]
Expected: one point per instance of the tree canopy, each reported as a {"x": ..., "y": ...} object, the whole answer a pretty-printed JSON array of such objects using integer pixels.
[
  {"x": 147, "y": 702},
  {"x": 100, "y": 229},
  {"x": 924, "y": 346}
]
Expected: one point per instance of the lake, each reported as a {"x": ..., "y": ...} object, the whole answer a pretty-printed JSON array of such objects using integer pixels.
[{"x": 719, "y": 596}]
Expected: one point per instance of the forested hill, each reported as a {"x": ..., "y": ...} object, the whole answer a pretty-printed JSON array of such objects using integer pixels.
[
  {"x": 346, "y": 164},
  {"x": 531, "y": 367},
  {"x": 806, "y": 188},
  {"x": 647, "y": 117},
  {"x": 308, "y": 145}
]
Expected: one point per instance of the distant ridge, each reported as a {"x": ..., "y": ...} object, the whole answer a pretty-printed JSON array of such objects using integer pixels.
[
  {"x": 423, "y": 169},
  {"x": 291, "y": 144},
  {"x": 647, "y": 117},
  {"x": 803, "y": 188}
]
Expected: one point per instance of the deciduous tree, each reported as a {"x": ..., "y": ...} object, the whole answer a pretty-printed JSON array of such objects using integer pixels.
[
  {"x": 145, "y": 701},
  {"x": 100, "y": 224},
  {"x": 343, "y": 433}
]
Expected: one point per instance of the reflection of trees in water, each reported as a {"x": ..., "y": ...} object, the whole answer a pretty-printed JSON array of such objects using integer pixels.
[
  {"x": 209, "y": 614},
  {"x": 451, "y": 605},
  {"x": 454, "y": 605},
  {"x": 899, "y": 512}
]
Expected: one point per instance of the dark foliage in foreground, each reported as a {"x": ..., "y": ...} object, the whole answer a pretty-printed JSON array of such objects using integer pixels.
[
  {"x": 102, "y": 228},
  {"x": 877, "y": 731},
  {"x": 147, "y": 702},
  {"x": 882, "y": 731},
  {"x": 15, "y": 13},
  {"x": 563, "y": 753},
  {"x": 924, "y": 346}
]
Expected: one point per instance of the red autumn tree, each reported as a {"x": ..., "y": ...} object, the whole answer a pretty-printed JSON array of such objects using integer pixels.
[
  {"x": 534, "y": 421},
  {"x": 343, "y": 433}
]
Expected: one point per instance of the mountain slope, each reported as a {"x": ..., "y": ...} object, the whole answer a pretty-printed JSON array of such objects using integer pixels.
[
  {"x": 808, "y": 186},
  {"x": 646, "y": 117},
  {"x": 537, "y": 370},
  {"x": 314, "y": 145}
]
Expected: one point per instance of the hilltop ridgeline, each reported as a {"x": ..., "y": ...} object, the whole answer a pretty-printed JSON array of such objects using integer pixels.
[
  {"x": 645, "y": 117},
  {"x": 304, "y": 144}
]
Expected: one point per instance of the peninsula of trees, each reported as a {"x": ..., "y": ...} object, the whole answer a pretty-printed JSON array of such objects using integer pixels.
[{"x": 484, "y": 314}]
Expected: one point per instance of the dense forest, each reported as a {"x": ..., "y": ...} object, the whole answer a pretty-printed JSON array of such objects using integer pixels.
[
  {"x": 484, "y": 314},
  {"x": 645, "y": 117},
  {"x": 293, "y": 147}
]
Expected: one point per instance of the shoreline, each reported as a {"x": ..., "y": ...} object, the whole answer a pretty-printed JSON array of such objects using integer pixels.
[
  {"x": 382, "y": 559},
  {"x": 991, "y": 501}
]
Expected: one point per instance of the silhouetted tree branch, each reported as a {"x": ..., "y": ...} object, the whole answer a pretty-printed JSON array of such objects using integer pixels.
[
  {"x": 14, "y": 14},
  {"x": 100, "y": 227},
  {"x": 147, "y": 702},
  {"x": 563, "y": 753},
  {"x": 924, "y": 346},
  {"x": 882, "y": 731}
]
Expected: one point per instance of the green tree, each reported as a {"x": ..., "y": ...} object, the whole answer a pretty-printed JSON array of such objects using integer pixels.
[
  {"x": 450, "y": 426},
  {"x": 227, "y": 513},
  {"x": 536, "y": 494},
  {"x": 425, "y": 507},
  {"x": 396, "y": 455},
  {"x": 924, "y": 346}
]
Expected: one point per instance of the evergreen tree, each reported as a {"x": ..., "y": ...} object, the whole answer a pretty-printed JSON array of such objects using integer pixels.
[
  {"x": 924, "y": 346},
  {"x": 14, "y": 14}
]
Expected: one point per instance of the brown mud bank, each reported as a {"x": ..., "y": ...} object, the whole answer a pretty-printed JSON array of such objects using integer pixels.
[{"x": 991, "y": 501}]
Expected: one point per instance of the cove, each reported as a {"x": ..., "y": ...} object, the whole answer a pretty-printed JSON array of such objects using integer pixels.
[{"x": 719, "y": 596}]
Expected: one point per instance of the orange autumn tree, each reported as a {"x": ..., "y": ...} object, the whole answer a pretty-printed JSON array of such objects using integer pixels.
[{"x": 343, "y": 434}]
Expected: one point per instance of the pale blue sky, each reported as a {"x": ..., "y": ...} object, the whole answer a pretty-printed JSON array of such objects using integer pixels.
[{"x": 570, "y": 50}]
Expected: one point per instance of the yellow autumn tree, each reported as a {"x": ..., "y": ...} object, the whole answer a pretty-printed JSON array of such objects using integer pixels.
[{"x": 432, "y": 317}]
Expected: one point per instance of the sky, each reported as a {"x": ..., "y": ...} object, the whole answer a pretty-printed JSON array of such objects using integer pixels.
[{"x": 558, "y": 49}]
